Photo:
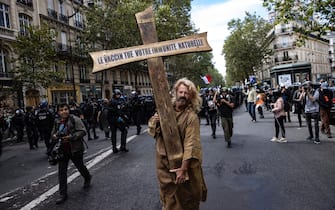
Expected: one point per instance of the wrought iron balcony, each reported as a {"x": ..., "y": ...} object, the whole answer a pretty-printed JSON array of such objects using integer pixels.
[
  {"x": 79, "y": 1},
  {"x": 286, "y": 58},
  {"x": 79, "y": 24},
  {"x": 63, "y": 18},
  {"x": 52, "y": 13},
  {"x": 28, "y": 3},
  {"x": 6, "y": 75},
  {"x": 84, "y": 80},
  {"x": 62, "y": 47},
  {"x": 284, "y": 45},
  {"x": 6, "y": 32}
]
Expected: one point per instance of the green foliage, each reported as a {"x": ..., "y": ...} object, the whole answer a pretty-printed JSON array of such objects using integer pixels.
[
  {"x": 114, "y": 26},
  {"x": 245, "y": 48},
  {"x": 36, "y": 57},
  {"x": 173, "y": 19},
  {"x": 313, "y": 15}
]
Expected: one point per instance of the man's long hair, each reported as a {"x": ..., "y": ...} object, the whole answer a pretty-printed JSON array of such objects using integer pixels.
[{"x": 194, "y": 96}]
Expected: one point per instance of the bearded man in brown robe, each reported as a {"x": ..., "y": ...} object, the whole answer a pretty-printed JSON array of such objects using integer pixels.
[{"x": 181, "y": 188}]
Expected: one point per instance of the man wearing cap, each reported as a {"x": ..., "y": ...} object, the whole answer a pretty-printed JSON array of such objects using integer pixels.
[
  {"x": 325, "y": 102},
  {"x": 225, "y": 105}
]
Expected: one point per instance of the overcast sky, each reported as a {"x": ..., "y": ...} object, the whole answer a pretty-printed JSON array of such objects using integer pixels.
[{"x": 212, "y": 16}]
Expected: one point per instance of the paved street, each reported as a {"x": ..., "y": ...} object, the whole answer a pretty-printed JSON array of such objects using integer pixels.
[{"x": 255, "y": 174}]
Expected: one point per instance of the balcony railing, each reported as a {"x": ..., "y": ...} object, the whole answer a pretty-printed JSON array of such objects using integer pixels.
[
  {"x": 62, "y": 47},
  {"x": 52, "y": 13},
  {"x": 79, "y": 1},
  {"x": 284, "y": 59},
  {"x": 79, "y": 24},
  {"x": 6, "y": 75},
  {"x": 284, "y": 45},
  {"x": 28, "y": 3},
  {"x": 63, "y": 18},
  {"x": 84, "y": 80},
  {"x": 6, "y": 32}
]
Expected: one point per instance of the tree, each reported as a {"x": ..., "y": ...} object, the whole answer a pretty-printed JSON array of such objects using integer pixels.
[
  {"x": 173, "y": 19},
  {"x": 36, "y": 59},
  {"x": 114, "y": 26},
  {"x": 313, "y": 15},
  {"x": 246, "y": 47}
]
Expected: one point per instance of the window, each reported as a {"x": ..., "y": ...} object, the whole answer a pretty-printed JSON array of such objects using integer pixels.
[
  {"x": 98, "y": 77},
  {"x": 83, "y": 74},
  {"x": 64, "y": 41},
  {"x": 61, "y": 8},
  {"x": 4, "y": 68},
  {"x": 68, "y": 72},
  {"x": 51, "y": 4},
  {"x": 4, "y": 15},
  {"x": 25, "y": 22},
  {"x": 78, "y": 19},
  {"x": 62, "y": 14}
]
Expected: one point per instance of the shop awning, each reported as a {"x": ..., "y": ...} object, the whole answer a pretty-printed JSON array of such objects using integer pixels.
[{"x": 291, "y": 66}]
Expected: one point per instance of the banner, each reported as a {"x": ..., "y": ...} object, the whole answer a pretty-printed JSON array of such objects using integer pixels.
[{"x": 110, "y": 58}]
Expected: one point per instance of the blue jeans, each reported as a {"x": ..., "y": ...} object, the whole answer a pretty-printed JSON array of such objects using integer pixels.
[{"x": 251, "y": 110}]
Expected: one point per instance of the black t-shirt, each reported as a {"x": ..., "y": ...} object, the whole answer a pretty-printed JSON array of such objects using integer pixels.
[{"x": 224, "y": 109}]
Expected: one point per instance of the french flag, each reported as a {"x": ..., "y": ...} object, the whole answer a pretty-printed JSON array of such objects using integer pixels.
[{"x": 207, "y": 79}]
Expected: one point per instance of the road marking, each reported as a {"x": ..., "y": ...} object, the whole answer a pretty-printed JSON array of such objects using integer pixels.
[{"x": 90, "y": 164}]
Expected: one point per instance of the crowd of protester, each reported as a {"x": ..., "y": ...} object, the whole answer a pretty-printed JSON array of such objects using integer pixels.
[
  {"x": 310, "y": 100},
  {"x": 34, "y": 124}
]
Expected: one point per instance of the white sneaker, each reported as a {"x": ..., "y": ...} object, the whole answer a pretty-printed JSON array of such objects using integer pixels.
[
  {"x": 274, "y": 139},
  {"x": 282, "y": 140}
]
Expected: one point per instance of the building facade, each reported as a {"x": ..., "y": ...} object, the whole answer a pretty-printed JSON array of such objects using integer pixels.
[
  {"x": 292, "y": 62},
  {"x": 68, "y": 23}
]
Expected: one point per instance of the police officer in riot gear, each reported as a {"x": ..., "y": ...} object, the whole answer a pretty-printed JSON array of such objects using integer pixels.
[
  {"x": 32, "y": 132},
  {"x": 118, "y": 119},
  {"x": 45, "y": 121},
  {"x": 137, "y": 105}
]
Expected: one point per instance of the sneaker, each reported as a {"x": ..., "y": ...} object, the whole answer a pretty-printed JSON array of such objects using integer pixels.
[
  {"x": 282, "y": 140},
  {"x": 274, "y": 139},
  {"x": 317, "y": 141}
]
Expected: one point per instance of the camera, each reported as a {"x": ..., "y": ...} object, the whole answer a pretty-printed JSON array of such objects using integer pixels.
[
  {"x": 55, "y": 153},
  {"x": 60, "y": 135}
]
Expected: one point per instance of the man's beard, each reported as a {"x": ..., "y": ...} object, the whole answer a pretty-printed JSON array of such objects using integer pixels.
[{"x": 181, "y": 102}]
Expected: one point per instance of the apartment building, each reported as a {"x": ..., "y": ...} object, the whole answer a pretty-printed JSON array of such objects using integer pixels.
[
  {"x": 331, "y": 52},
  {"x": 293, "y": 62},
  {"x": 64, "y": 18}
]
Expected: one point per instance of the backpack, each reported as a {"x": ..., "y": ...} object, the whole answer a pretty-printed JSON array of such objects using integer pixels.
[{"x": 325, "y": 99}]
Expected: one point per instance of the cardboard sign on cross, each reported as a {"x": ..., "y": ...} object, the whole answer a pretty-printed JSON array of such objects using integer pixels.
[{"x": 153, "y": 52}]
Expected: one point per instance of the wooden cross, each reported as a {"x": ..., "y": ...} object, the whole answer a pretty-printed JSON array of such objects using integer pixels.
[{"x": 153, "y": 52}]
